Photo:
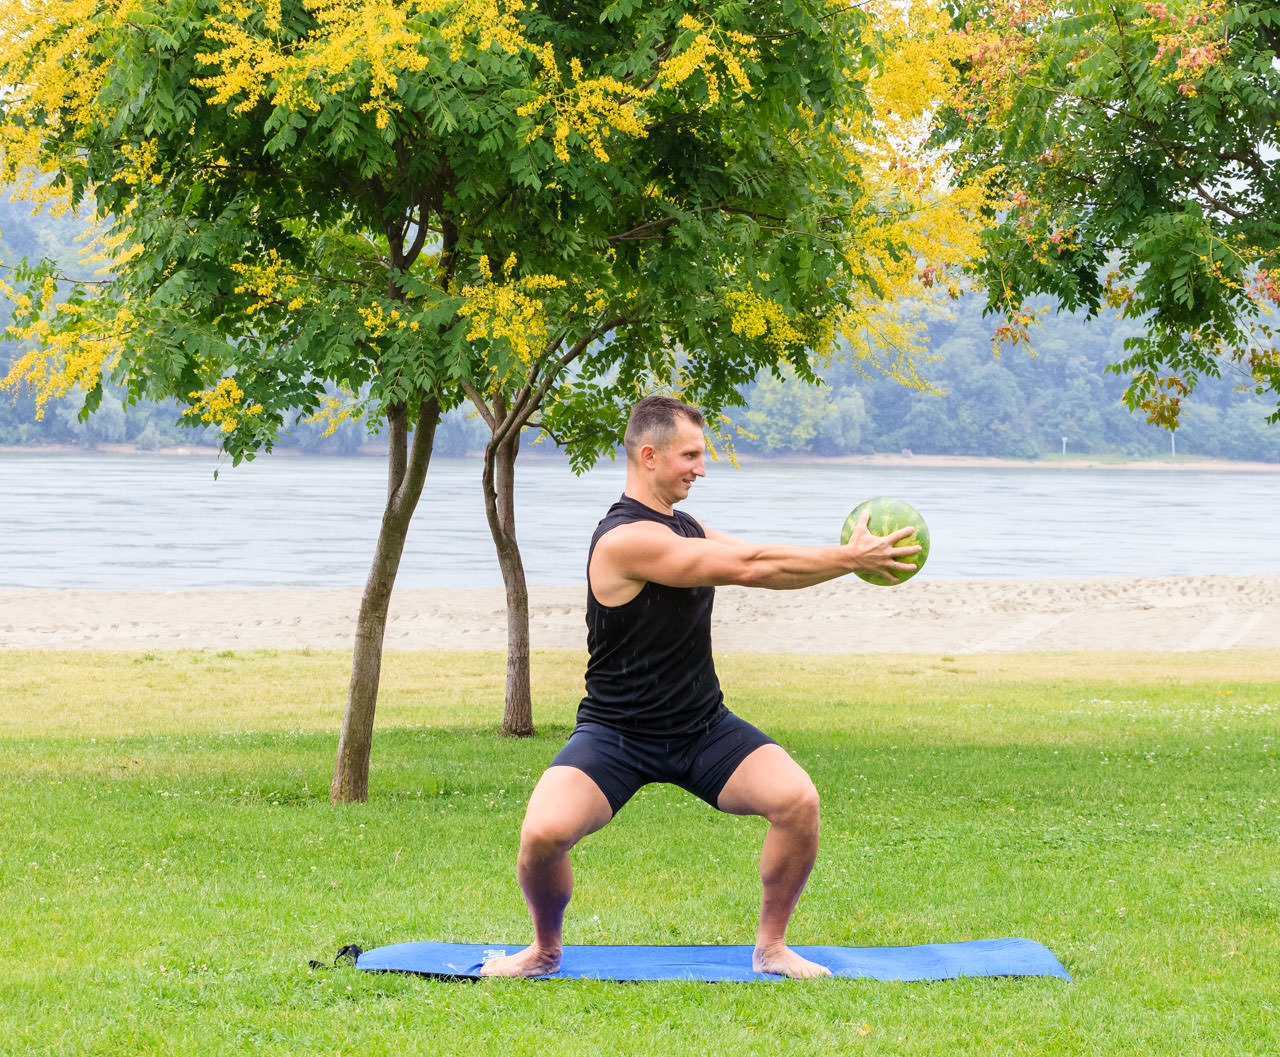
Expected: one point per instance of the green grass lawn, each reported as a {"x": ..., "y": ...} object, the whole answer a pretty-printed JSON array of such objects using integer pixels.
[{"x": 169, "y": 861}]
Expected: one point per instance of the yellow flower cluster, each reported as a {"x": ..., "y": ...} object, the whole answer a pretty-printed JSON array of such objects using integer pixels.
[
  {"x": 143, "y": 163},
  {"x": 597, "y": 108},
  {"x": 878, "y": 323},
  {"x": 269, "y": 281},
  {"x": 377, "y": 321},
  {"x": 355, "y": 40},
  {"x": 46, "y": 78},
  {"x": 907, "y": 203},
  {"x": 377, "y": 34},
  {"x": 698, "y": 56},
  {"x": 333, "y": 412},
  {"x": 72, "y": 350},
  {"x": 593, "y": 108},
  {"x": 222, "y": 405},
  {"x": 510, "y": 311},
  {"x": 593, "y": 302},
  {"x": 493, "y": 24},
  {"x": 247, "y": 62},
  {"x": 370, "y": 43},
  {"x": 887, "y": 337},
  {"x": 754, "y": 316}
]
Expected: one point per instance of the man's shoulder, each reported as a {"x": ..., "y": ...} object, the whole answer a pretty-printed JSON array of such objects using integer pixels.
[
  {"x": 635, "y": 547},
  {"x": 625, "y": 532}
]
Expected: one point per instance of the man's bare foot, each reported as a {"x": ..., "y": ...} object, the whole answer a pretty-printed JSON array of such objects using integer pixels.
[
  {"x": 532, "y": 961},
  {"x": 783, "y": 961}
]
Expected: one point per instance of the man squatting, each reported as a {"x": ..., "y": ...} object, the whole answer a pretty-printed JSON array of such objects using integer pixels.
[{"x": 653, "y": 710}]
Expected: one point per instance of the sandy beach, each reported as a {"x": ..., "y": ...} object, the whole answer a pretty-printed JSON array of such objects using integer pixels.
[{"x": 845, "y": 616}]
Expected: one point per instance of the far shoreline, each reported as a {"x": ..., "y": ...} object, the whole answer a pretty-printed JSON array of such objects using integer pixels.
[
  {"x": 889, "y": 459},
  {"x": 971, "y": 462}
]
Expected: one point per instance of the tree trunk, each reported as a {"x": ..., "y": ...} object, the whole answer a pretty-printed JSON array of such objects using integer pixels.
[
  {"x": 406, "y": 474},
  {"x": 499, "y": 504}
]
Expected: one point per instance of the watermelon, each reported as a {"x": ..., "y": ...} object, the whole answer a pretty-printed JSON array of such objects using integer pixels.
[{"x": 888, "y": 515}]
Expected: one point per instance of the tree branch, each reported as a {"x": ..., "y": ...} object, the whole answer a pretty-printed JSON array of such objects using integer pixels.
[
  {"x": 1206, "y": 196},
  {"x": 1249, "y": 161},
  {"x": 420, "y": 237},
  {"x": 525, "y": 409},
  {"x": 59, "y": 277},
  {"x": 663, "y": 54},
  {"x": 649, "y": 229},
  {"x": 481, "y": 405},
  {"x": 448, "y": 251}
]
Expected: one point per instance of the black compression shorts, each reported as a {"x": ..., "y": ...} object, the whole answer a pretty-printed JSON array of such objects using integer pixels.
[{"x": 701, "y": 762}]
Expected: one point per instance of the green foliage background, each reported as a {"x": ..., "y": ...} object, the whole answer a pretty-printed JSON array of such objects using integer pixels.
[
  {"x": 1011, "y": 405},
  {"x": 1134, "y": 152}
]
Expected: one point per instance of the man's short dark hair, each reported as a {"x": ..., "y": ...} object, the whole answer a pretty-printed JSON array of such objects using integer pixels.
[{"x": 653, "y": 421}]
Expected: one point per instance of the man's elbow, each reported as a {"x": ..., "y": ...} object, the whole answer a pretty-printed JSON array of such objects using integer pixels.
[{"x": 754, "y": 572}]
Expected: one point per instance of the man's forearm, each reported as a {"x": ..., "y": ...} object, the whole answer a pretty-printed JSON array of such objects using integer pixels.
[{"x": 781, "y": 567}]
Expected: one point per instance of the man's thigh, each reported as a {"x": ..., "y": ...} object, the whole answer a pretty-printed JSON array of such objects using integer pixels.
[
  {"x": 768, "y": 782},
  {"x": 565, "y": 806},
  {"x": 617, "y": 764},
  {"x": 714, "y": 756}
]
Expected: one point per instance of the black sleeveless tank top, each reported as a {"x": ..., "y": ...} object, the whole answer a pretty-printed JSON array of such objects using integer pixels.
[{"x": 650, "y": 669}]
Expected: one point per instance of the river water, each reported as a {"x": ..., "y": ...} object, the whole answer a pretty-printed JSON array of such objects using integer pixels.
[{"x": 163, "y": 521}]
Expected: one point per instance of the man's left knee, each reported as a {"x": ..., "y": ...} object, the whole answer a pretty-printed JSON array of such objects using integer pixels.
[
  {"x": 799, "y": 802},
  {"x": 807, "y": 799}
]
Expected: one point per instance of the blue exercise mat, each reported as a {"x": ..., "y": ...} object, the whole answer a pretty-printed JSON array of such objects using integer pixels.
[{"x": 928, "y": 961}]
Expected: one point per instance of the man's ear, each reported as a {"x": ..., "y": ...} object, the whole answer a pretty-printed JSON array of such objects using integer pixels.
[{"x": 648, "y": 456}]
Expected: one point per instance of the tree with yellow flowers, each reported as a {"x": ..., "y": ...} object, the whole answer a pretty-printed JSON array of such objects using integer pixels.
[
  {"x": 869, "y": 226},
  {"x": 539, "y": 207}
]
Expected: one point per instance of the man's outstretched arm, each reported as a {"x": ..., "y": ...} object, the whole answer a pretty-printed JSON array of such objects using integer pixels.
[{"x": 644, "y": 551}]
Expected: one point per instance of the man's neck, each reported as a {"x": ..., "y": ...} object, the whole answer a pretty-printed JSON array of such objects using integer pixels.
[{"x": 636, "y": 490}]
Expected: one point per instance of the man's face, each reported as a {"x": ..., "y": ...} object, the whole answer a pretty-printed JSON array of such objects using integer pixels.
[{"x": 680, "y": 463}]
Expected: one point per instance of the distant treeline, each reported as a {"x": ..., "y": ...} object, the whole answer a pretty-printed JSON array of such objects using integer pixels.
[{"x": 1015, "y": 405}]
